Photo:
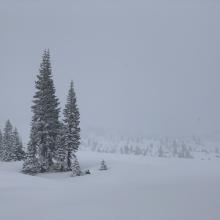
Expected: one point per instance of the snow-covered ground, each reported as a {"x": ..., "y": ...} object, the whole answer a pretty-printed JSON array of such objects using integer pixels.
[{"x": 134, "y": 188}]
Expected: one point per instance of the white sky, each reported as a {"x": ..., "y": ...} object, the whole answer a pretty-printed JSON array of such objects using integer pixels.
[{"x": 137, "y": 65}]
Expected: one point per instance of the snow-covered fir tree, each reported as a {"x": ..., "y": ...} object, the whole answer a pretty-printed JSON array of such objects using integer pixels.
[
  {"x": 137, "y": 151},
  {"x": 75, "y": 167},
  {"x": 10, "y": 144},
  {"x": 17, "y": 146},
  {"x": 31, "y": 164},
  {"x": 45, "y": 120},
  {"x": 71, "y": 125},
  {"x": 174, "y": 145},
  {"x": 103, "y": 165},
  {"x": 185, "y": 152},
  {"x": 1, "y": 144},
  {"x": 8, "y": 153},
  {"x": 52, "y": 144},
  {"x": 160, "y": 152}
]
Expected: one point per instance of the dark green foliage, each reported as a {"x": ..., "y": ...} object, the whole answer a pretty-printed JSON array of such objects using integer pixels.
[
  {"x": 71, "y": 125},
  {"x": 18, "y": 146},
  {"x": 31, "y": 164},
  {"x": 10, "y": 144},
  {"x": 8, "y": 151},
  {"x": 52, "y": 144},
  {"x": 45, "y": 120},
  {"x": 61, "y": 153}
]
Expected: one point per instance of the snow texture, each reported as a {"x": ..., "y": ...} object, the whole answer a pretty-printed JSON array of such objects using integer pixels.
[{"x": 134, "y": 188}]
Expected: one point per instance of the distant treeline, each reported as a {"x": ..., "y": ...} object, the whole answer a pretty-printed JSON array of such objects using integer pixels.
[{"x": 11, "y": 148}]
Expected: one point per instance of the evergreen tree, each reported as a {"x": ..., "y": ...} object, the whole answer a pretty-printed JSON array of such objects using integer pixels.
[
  {"x": 175, "y": 152},
  {"x": 71, "y": 124},
  {"x": 76, "y": 171},
  {"x": 21, "y": 152},
  {"x": 7, "y": 152},
  {"x": 160, "y": 152},
  {"x": 137, "y": 151},
  {"x": 1, "y": 144},
  {"x": 52, "y": 144},
  {"x": 17, "y": 146},
  {"x": 31, "y": 164},
  {"x": 185, "y": 152},
  {"x": 45, "y": 120},
  {"x": 103, "y": 165}
]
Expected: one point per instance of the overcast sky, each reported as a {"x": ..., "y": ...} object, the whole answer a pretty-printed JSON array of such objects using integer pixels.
[{"x": 141, "y": 65}]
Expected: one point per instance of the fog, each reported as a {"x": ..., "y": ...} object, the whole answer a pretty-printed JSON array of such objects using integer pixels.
[{"x": 138, "y": 66}]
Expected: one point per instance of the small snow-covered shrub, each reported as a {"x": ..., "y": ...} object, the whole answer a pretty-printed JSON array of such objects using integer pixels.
[{"x": 103, "y": 165}]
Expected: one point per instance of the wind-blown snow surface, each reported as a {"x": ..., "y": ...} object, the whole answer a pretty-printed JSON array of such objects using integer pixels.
[{"x": 134, "y": 188}]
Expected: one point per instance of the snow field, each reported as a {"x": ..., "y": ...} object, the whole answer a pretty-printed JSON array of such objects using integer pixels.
[{"x": 134, "y": 188}]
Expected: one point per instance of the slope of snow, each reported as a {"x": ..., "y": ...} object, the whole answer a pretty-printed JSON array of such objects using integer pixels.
[{"x": 134, "y": 188}]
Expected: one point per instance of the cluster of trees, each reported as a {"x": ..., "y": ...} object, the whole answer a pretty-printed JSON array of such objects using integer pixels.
[
  {"x": 126, "y": 149},
  {"x": 11, "y": 148},
  {"x": 53, "y": 143},
  {"x": 161, "y": 148},
  {"x": 182, "y": 152}
]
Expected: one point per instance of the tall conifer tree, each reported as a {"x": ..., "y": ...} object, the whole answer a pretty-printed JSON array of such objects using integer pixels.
[
  {"x": 71, "y": 125},
  {"x": 45, "y": 120}
]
